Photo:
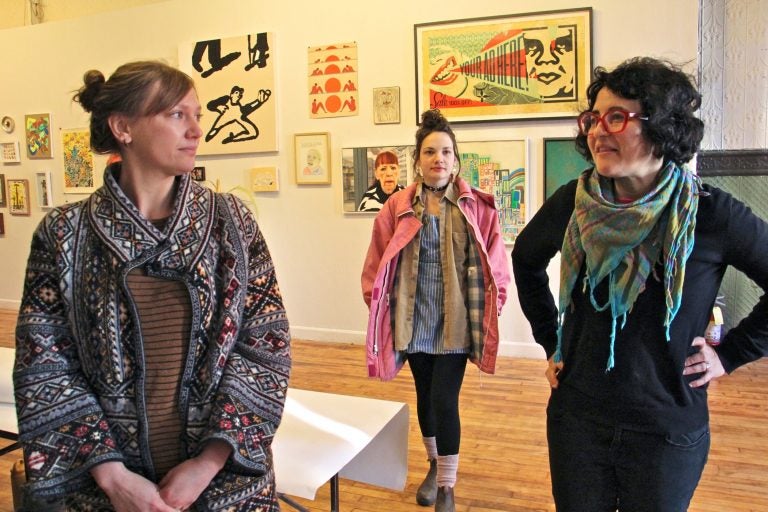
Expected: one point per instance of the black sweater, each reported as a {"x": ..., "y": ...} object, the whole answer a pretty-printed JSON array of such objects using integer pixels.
[{"x": 646, "y": 389}]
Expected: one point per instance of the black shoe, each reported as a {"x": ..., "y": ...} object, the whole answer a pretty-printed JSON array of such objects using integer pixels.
[
  {"x": 444, "y": 501},
  {"x": 427, "y": 493}
]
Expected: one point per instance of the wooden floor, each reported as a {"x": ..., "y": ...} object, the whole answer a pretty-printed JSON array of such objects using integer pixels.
[{"x": 503, "y": 459}]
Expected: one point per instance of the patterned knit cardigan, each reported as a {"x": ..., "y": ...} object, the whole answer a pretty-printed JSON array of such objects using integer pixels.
[{"x": 79, "y": 360}]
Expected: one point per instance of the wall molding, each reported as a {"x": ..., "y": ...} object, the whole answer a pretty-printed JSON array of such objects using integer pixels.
[{"x": 732, "y": 162}]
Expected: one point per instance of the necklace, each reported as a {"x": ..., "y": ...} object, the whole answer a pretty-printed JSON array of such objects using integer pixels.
[{"x": 435, "y": 189}]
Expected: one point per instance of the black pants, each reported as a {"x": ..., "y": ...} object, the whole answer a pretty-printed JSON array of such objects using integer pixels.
[
  {"x": 598, "y": 468},
  {"x": 438, "y": 380}
]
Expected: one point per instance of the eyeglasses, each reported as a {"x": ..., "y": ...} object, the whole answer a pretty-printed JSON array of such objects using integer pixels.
[{"x": 613, "y": 121}]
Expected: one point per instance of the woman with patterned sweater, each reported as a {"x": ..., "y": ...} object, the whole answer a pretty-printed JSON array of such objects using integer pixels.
[{"x": 153, "y": 350}]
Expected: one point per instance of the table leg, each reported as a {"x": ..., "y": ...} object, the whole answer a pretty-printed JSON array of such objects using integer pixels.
[
  {"x": 291, "y": 503},
  {"x": 335, "y": 493}
]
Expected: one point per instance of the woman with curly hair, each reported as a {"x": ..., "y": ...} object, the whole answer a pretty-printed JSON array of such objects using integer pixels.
[
  {"x": 435, "y": 279},
  {"x": 643, "y": 249}
]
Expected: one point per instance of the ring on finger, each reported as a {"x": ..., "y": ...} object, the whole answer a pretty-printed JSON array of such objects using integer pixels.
[{"x": 707, "y": 364}]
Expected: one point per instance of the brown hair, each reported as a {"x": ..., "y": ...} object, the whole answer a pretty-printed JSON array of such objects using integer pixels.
[
  {"x": 142, "y": 88},
  {"x": 434, "y": 121}
]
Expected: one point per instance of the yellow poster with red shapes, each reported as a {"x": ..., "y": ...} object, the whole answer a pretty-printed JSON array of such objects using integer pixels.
[{"x": 332, "y": 80}]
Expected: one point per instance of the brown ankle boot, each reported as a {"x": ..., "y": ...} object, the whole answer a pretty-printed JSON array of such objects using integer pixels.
[
  {"x": 444, "y": 502},
  {"x": 427, "y": 493}
]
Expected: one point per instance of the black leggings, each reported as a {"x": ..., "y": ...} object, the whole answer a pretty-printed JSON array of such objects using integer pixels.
[{"x": 438, "y": 380}]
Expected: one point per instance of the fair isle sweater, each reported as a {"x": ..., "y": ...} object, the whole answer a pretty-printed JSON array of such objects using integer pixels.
[
  {"x": 646, "y": 390},
  {"x": 79, "y": 374}
]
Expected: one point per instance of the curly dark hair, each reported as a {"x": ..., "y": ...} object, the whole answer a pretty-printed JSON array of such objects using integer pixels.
[
  {"x": 142, "y": 88},
  {"x": 434, "y": 121},
  {"x": 669, "y": 99}
]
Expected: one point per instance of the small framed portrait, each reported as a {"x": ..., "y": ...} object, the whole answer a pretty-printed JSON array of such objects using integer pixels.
[
  {"x": 312, "y": 158},
  {"x": 386, "y": 105},
  {"x": 198, "y": 174},
  {"x": 43, "y": 188},
  {"x": 3, "y": 195},
  {"x": 18, "y": 197},
  {"x": 10, "y": 152}
]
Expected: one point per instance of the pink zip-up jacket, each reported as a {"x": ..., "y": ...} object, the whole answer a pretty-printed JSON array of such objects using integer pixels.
[{"x": 395, "y": 226}]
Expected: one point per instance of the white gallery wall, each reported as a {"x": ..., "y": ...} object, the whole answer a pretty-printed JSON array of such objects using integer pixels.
[{"x": 318, "y": 250}]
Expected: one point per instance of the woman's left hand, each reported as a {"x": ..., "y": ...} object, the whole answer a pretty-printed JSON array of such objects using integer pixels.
[
  {"x": 705, "y": 361},
  {"x": 184, "y": 483}
]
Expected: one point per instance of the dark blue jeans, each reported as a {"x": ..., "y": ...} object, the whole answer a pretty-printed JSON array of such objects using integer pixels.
[{"x": 598, "y": 468}]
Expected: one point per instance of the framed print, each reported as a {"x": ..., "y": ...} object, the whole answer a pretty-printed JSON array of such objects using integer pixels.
[
  {"x": 501, "y": 169},
  {"x": 386, "y": 105},
  {"x": 43, "y": 188},
  {"x": 312, "y": 158},
  {"x": 78, "y": 161},
  {"x": 198, "y": 174},
  {"x": 371, "y": 174},
  {"x": 562, "y": 163},
  {"x": 18, "y": 197},
  {"x": 3, "y": 196},
  {"x": 332, "y": 83},
  {"x": 235, "y": 81},
  {"x": 519, "y": 66},
  {"x": 37, "y": 132},
  {"x": 264, "y": 179},
  {"x": 10, "y": 152}
]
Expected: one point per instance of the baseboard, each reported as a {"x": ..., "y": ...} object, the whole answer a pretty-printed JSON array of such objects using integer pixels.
[
  {"x": 506, "y": 348},
  {"x": 10, "y": 304}
]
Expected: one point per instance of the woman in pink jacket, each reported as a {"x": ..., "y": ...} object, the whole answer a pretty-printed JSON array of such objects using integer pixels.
[{"x": 435, "y": 279}]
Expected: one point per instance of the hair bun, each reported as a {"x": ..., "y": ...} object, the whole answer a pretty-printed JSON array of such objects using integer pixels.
[
  {"x": 93, "y": 82},
  {"x": 433, "y": 120}
]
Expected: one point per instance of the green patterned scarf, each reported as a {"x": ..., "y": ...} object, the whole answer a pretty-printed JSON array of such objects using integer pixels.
[{"x": 623, "y": 242}]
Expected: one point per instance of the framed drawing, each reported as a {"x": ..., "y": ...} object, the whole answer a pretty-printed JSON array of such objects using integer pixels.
[
  {"x": 3, "y": 196},
  {"x": 18, "y": 197},
  {"x": 386, "y": 105},
  {"x": 43, "y": 188},
  {"x": 10, "y": 152},
  {"x": 264, "y": 179},
  {"x": 235, "y": 81},
  {"x": 312, "y": 158},
  {"x": 500, "y": 168},
  {"x": 198, "y": 173},
  {"x": 562, "y": 163},
  {"x": 371, "y": 174},
  {"x": 519, "y": 66},
  {"x": 78, "y": 161},
  {"x": 37, "y": 132}
]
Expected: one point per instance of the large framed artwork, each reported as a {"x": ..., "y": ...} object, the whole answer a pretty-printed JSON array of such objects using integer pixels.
[
  {"x": 501, "y": 169},
  {"x": 371, "y": 174},
  {"x": 518, "y": 66},
  {"x": 562, "y": 163},
  {"x": 235, "y": 81}
]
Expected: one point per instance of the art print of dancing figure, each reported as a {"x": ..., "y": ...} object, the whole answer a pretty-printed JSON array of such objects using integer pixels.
[{"x": 232, "y": 112}]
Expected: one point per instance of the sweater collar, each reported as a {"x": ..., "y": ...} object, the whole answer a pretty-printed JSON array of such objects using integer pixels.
[{"x": 121, "y": 226}]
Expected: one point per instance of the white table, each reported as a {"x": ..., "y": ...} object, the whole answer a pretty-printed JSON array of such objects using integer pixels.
[{"x": 323, "y": 436}]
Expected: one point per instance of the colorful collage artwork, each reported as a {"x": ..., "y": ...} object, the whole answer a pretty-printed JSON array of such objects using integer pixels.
[
  {"x": 78, "y": 161},
  {"x": 37, "y": 131},
  {"x": 332, "y": 80}
]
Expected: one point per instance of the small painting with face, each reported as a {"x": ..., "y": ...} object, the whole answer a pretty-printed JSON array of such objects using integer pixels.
[{"x": 372, "y": 175}]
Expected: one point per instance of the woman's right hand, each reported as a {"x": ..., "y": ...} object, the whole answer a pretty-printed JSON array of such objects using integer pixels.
[
  {"x": 553, "y": 370},
  {"x": 128, "y": 491}
]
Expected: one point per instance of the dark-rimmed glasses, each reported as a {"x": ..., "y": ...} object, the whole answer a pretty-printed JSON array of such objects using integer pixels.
[{"x": 613, "y": 121}]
